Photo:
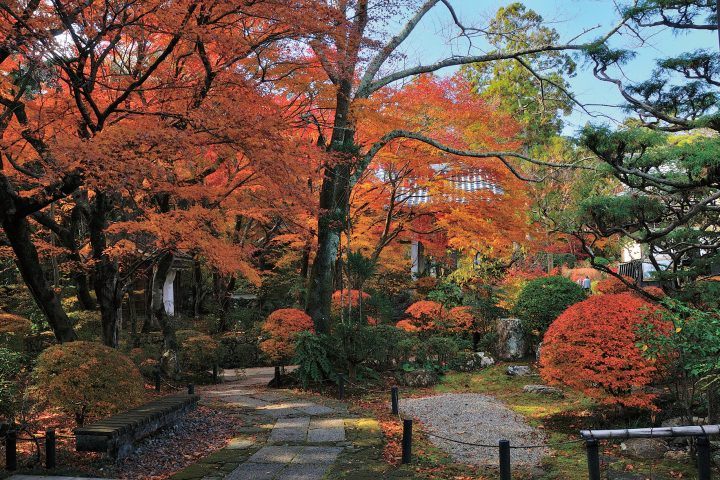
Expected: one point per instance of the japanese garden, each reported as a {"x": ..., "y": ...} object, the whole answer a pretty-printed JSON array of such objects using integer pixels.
[{"x": 360, "y": 239}]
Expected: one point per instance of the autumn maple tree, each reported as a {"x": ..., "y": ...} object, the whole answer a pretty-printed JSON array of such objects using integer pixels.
[
  {"x": 357, "y": 69},
  {"x": 118, "y": 114}
]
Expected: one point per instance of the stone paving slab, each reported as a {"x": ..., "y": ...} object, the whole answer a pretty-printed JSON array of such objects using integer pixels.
[
  {"x": 290, "y": 430},
  {"x": 326, "y": 430},
  {"x": 316, "y": 410},
  {"x": 287, "y": 463},
  {"x": 310, "y": 455},
  {"x": 275, "y": 454},
  {"x": 48, "y": 477},
  {"x": 303, "y": 472},
  {"x": 256, "y": 471}
]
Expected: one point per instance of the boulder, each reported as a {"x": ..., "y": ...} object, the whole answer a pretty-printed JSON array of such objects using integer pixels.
[
  {"x": 418, "y": 378},
  {"x": 484, "y": 359},
  {"x": 544, "y": 390},
  {"x": 519, "y": 370},
  {"x": 644, "y": 448},
  {"x": 679, "y": 422},
  {"x": 469, "y": 361},
  {"x": 682, "y": 456},
  {"x": 511, "y": 341}
]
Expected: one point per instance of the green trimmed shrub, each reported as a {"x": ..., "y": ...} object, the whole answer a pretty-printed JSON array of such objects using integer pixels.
[
  {"x": 87, "y": 324},
  {"x": 240, "y": 350},
  {"x": 14, "y": 329},
  {"x": 542, "y": 300},
  {"x": 85, "y": 379},
  {"x": 200, "y": 353}
]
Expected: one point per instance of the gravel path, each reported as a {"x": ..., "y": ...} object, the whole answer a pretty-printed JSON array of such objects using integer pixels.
[{"x": 475, "y": 418}]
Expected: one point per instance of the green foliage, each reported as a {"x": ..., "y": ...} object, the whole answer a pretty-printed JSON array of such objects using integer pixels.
[
  {"x": 87, "y": 379},
  {"x": 702, "y": 295},
  {"x": 200, "y": 353},
  {"x": 313, "y": 359},
  {"x": 14, "y": 331},
  {"x": 87, "y": 324},
  {"x": 518, "y": 91},
  {"x": 390, "y": 347},
  {"x": 446, "y": 293},
  {"x": 359, "y": 268},
  {"x": 542, "y": 300},
  {"x": 11, "y": 366},
  {"x": 689, "y": 352},
  {"x": 240, "y": 350}
]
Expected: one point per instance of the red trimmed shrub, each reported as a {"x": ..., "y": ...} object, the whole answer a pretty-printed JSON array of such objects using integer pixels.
[
  {"x": 612, "y": 285},
  {"x": 282, "y": 326},
  {"x": 592, "y": 347},
  {"x": 423, "y": 316}
]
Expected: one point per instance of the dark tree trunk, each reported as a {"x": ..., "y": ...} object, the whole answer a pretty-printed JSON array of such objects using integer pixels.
[
  {"x": 197, "y": 288},
  {"x": 82, "y": 286},
  {"x": 106, "y": 275},
  {"x": 170, "y": 362},
  {"x": 334, "y": 198},
  {"x": 18, "y": 234}
]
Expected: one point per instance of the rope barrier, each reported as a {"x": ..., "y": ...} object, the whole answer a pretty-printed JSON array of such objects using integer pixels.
[{"x": 548, "y": 445}]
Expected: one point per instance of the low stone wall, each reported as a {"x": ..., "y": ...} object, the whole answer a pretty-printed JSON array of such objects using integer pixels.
[{"x": 116, "y": 435}]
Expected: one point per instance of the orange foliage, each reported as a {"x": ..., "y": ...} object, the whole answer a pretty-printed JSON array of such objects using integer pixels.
[
  {"x": 14, "y": 324},
  {"x": 462, "y": 319},
  {"x": 592, "y": 347},
  {"x": 613, "y": 285},
  {"x": 488, "y": 219},
  {"x": 424, "y": 316},
  {"x": 345, "y": 296},
  {"x": 282, "y": 326}
]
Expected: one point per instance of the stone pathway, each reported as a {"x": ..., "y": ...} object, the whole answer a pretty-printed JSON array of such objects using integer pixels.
[{"x": 290, "y": 438}]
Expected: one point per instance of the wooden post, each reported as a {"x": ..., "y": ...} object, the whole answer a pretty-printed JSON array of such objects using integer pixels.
[
  {"x": 703, "y": 458},
  {"x": 50, "y": 445},
  {"x": 394, "y": 400},
  {"x": 407, "y": 441},
  {"x": 215, "y": 374},
  {"x": 11, "y": 450},
  {"x": 593, "y": 459},
  {"x": 341, "y": 386},
  {"x": 505, "y": 472},
  {"x": 157, "y": 380},
  {"x": 191, "y": 389}
]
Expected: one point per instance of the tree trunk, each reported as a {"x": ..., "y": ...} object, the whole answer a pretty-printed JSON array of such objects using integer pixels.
[
  {"x": 82, "y": 287},
  {"x": 334, "y": 208},
  {"x": 106, "y": 278},
  {"x": 169, "y": 362},
  {"x": 18, "y": 234},
  {"x": 713, "y": 396},
  {"x": 197, "y": 288}
]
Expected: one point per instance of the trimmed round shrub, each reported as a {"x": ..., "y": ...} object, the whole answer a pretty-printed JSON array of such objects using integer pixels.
[
  {"x": 592, "y": 347},
  {"x": 199, "y": 353},
  {"x": 239, "y": 350},
  {"x": 542, "y": 300},
  {"x": 88, "y": 324},
  {"x": 424, "y": 315},
  {"x": 282, "y": 327},
  {"x": 14, "y": 329},
  {"x": 87, "y": 379}
]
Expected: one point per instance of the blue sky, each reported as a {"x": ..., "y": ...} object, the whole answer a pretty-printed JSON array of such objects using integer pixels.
[{"x": 569, "y": 17}]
